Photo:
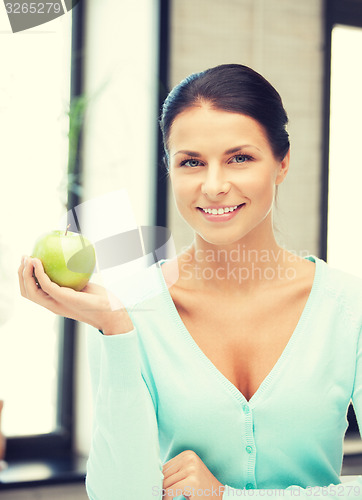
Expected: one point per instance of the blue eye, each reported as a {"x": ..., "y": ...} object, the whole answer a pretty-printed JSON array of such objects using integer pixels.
[
  {"x": 240, "y": 158},
  {"x": 190, "y": 163}
]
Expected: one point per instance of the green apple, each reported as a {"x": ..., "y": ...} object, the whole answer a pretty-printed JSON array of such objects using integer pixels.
[{"x": 68, "y": 258}]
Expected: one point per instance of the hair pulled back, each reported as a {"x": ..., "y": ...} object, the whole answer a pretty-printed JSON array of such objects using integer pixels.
[{"x": 235, "y": 88}]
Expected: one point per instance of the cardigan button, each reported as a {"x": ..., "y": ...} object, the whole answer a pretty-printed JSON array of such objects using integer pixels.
[
  {"x": 249, "y": 486},
  {"x": 249, "y": 449}
]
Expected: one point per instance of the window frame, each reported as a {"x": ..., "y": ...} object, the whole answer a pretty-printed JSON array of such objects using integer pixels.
[
  {"x": 348, "y": 13},
  {"x": 161, "y": 208},
  {"x": 59, "y": 443}
]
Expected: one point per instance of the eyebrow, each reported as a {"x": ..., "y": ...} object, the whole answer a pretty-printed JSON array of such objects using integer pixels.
[{"x": 227, "y": 152}]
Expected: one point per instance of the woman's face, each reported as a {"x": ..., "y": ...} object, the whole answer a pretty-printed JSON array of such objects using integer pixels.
[{"x": 218, "y": 161}]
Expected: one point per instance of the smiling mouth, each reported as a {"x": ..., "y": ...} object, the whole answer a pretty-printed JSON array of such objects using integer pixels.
[{"x": 220, "y": 211}]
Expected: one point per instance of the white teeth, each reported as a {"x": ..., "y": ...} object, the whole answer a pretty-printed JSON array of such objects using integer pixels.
[{"x": 219, "y": 211}]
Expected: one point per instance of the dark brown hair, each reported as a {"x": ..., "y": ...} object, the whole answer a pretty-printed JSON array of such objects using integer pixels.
[{"x": 235, "y": 88}]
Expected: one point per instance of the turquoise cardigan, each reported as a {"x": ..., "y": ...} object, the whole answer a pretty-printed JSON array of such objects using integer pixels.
[{"x": 156, "y": 394}]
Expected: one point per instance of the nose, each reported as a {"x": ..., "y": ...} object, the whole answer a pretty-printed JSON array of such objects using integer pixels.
[{"x": 215, "y": 182}]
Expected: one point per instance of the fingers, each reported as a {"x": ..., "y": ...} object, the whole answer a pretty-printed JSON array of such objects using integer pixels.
[
  {"x": 31, "y": 289},
  {"x": 60, "y": 298},
  {"x": 93, "y": 305},
  {"x": 29, "y": 284},
  {"x": 26, "y": 279},
  {"x": 173, "y": 479},
  {"x": 48, "y": 286},
  {"x": 169, "y": 466}
]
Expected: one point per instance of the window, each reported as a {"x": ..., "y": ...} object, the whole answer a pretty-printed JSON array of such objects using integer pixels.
[
  {"x": 34, "y": 101},
  {"x": 345, "y": 164},
  {"x": 342, "y": 170},
  {"x": 36, "y": 374}
]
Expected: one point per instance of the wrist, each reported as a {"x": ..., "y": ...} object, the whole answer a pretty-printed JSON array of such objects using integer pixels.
[{"x": 116, "y": 323}]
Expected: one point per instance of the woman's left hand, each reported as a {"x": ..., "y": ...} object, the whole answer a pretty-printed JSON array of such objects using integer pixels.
[{"x": 187, "y": 475}]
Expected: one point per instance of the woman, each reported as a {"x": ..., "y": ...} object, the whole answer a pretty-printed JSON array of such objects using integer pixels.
[{"x": 240, "y": 374}]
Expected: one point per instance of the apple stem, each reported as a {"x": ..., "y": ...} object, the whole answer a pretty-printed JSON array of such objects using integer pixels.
[{"x": 68, "y": 226}]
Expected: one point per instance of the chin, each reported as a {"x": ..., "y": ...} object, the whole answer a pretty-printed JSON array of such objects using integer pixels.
[{"x": 220, "y": 240}]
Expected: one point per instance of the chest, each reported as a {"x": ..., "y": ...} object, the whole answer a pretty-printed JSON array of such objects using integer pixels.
[{"x": 243, "y": 339}]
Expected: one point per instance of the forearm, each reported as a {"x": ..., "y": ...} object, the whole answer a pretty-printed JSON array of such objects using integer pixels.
[{"x": 124, "y": 460}]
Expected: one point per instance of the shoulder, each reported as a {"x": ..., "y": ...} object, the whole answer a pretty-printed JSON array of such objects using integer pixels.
[
  {"x": 345, "y": 287},
  {"x": 340, "y": 281}
]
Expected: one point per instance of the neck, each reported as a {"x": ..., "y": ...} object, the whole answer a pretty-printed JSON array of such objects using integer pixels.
[{"x": 240, "y": 266}]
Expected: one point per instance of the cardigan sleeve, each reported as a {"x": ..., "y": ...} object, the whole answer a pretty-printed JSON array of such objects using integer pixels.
[
  {"x": 357, "y": 387},
  {"x": 124, "y": 460},
  {"x": 346, "y": 490}
]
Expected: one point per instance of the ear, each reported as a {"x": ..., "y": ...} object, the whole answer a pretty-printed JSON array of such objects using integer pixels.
[{"x": 283, "y": 168}]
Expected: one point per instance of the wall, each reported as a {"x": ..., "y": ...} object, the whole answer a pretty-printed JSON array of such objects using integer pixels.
[{"x": 281, "y": 39}]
